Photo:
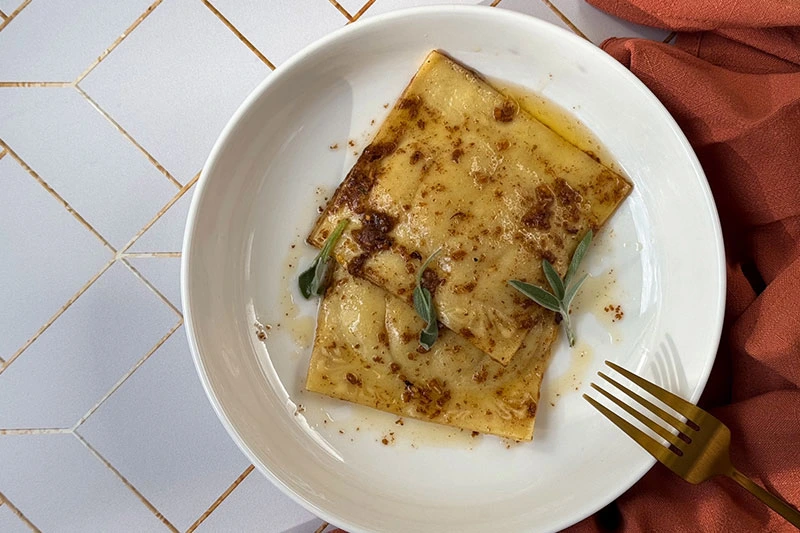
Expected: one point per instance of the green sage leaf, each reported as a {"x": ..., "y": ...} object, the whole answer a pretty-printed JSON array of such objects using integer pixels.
[
  {"x": 424, "y": 266},
  {"x": 423, "y": 305},
  {"x": 564, "y": 290},
  {"x": 577, "y": 257},
  {"x": 315, "y": 279},
  {"x": 572, "y": 291},
  {"x": 537, "y": 294},
  {"x": 422, "y": 302},
  {"x": 553, "y": 279},
  {"x": 306, "y": 280},
  {"x": 429, "y": 335}
]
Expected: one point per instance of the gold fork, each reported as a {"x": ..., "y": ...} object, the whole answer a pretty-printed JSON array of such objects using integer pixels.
[{"x": 700, "y": 449}]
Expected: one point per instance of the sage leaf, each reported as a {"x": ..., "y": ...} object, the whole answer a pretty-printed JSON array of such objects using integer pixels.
[
  {"x": 422, "y": 302},
  {"x": 306, "y": 280},
  {"x": 423, "y": 305},
  {"x": 315, "y": 279},
  {"x": 565, "y": 290},
  {"x": 429, "y": 335},
  {"x": 572, "y": 291},
  {"x": 537, "y": 294},
  {"x": 554, "y": 279},
  {"x": 577, "y": 257}
]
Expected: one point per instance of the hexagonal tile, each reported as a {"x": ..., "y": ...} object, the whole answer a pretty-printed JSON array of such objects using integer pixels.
[
  {"x": 84, "y": 158},
  {"x": 166, "y": 234},
  {"x": 61, "y": 486},
  {"x": 47, "y": 256},
  {"x": 76, "y": 361},
  {"x": 160, "y": 432},
  {"x": 352, "y": 6},
  {"x": 10, "y": 522},
  {"x": 263, "y": 23},
  {"x": 52, "y": 40},
  {"x": 175, "y": 81},
  {"x": 598, "y": 25},
  {"x": 250, "y": 507},
  {"x": 384, "y": 6},
  {"x": 164, "y": 273},
  {"x": 537, "y": 8}
]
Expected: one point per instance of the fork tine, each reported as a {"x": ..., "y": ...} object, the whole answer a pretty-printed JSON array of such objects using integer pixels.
[
  {"x": 665, "y": 416},
  {"x": 685, "y": 408},
  {"x": 648, "y": 443},
  {"x": 660, "y": 431}
]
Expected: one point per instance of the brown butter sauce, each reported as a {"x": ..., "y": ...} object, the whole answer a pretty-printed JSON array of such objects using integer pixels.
[
  {"x": 558, "y": 119},
  {"x": 417, "y": 434}
]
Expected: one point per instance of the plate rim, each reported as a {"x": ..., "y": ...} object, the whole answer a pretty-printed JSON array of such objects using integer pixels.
[{"x": 363, "y": 25}]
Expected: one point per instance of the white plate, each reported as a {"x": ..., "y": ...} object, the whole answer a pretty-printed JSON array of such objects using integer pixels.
[{"x": 256, "y": 197}]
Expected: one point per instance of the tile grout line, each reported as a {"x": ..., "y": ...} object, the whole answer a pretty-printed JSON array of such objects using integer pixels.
[
  {"x": 56, "y": 315},
  {"x": 57, "y": 196},
  {"x": 35, "y": 84},
  {"x": 3, "y": 16},
  {"x": 136, "y": 255},
  {"x": 238, "y": 34},
  {"x": 14, "y": 14},
  {"x": 669, "y": 37},
  {"x": 119, "y": 39},
  {"x": 341, "y": 9},
  {"x": 127, "y": 375},
  {"x": 22, "y": 517},
  {"x": 127, "y": 483},
  {"x": 362, "y": 10},
  {"x": 35, "y": 431},
  {"x": 565, "y": 20},
  {"x": 322, "y": 527},
  {"x": 221, "y": 498},
  {"x": 150, "y": 286},
  {"x": 128, "y": 136},
  {"x": 158, "y": 215},
  {"x": 3, "y": 153},
  {"x": 495, "y": 2}
]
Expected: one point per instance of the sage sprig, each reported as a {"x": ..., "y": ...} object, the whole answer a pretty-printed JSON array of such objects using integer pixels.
[
  {"x": 314, "y": 280},
  {"x": 564, "y": 291},
  {"x": 423, "y": 304}
]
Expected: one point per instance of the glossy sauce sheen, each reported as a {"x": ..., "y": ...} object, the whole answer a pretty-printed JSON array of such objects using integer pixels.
[
  {"x": 459, "y": 165},
  {"x": 559, "y": 120},
  {"x": 366, "y": 352}
]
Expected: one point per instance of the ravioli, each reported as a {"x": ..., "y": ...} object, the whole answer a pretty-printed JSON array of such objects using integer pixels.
[
  {"x": 459, "y": 166},
  {"x": 365, "y": 352}
]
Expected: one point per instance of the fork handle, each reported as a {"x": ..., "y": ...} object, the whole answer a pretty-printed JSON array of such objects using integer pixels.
[{"x": 777, "y": 504}]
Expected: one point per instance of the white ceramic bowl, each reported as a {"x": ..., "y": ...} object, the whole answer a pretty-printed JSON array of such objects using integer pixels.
[{"x": 256, "y": 197}]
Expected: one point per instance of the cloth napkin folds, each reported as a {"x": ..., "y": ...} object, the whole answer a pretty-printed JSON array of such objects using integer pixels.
[{"x": 732, "y": 81}]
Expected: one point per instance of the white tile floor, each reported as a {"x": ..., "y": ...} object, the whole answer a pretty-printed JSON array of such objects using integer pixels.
[
  {"x": 166, "y": 234},
  {"x": 59, "y": 485},
  {"x": 53, "y": 40},
  {"x": 156, "y": 429},
  {"x": 103, "y": 422},
  {"x": 163, "y": 273},
  {"x": 10, "y": 523},
  {"x": 77, "y": 360},
  {"x": 39, "y": 241},
  {"x": 76, "y": 151},
  {"x": 175, "y": 81}
]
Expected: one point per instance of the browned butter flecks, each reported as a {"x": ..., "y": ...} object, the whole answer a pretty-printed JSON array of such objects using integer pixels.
[
  {"x": 461, "y": 166},
  {"x": 366, "y": 352}
]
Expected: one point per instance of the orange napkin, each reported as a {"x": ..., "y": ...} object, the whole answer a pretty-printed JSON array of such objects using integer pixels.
[{"x": 732, "y": 81}]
